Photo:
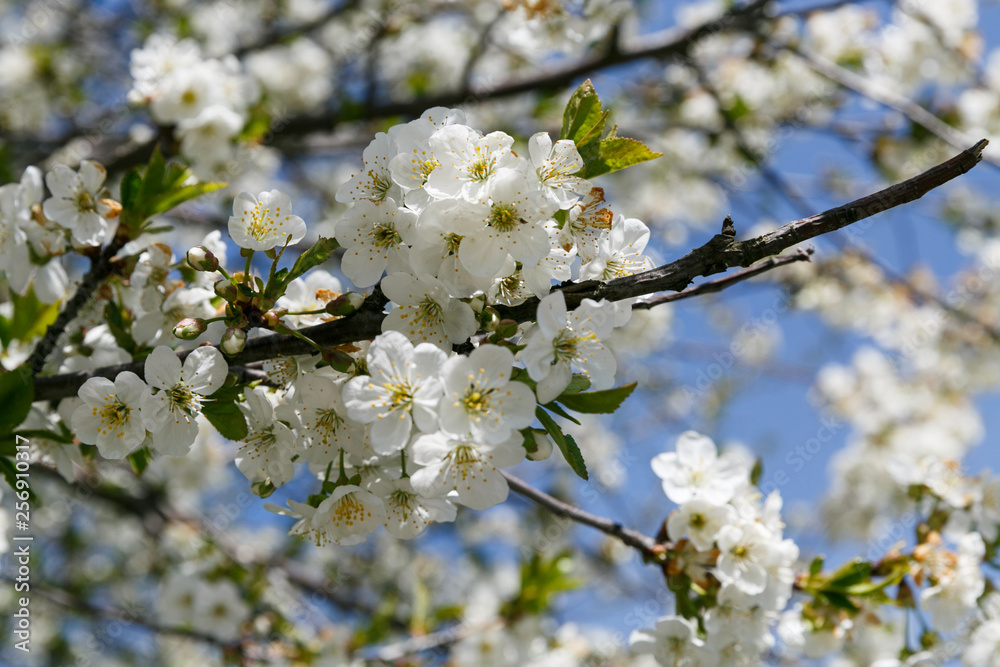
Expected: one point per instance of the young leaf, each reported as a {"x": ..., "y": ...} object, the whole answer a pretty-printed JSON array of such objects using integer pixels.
[
  {"x": 597, "y": 402},
  {"x": 140, "y": 460},
  {"x": 321, "y": 251},
  {"x": 566, "y": 444},
  {"x": 227, "y": 419},
  {"x": 618, "y": 153},
  {"x": 582, "y": 113},
  {"x": 17, "y": 391}
]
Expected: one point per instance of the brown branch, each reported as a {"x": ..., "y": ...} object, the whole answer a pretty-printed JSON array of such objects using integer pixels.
[
  {"x": 720, "y": 253},
  {"x": 730, "y": 280},
  {"x": 633, "y": 538},
  {"x": 100, "y": 268}
]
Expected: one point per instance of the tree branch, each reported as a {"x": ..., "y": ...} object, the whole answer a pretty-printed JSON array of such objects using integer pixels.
[
  {"x": 887, "y": 98},
  {"x": 721, "y": 252},
  {"x": 633, "y": 538},
  {"x": 722, "y": 283}
]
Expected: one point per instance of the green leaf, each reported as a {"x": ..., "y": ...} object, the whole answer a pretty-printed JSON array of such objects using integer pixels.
[
  {"x": 159, "y": 188},
  {"x": 840, "y": 601},
  {"x": 597, "y": 402},
  {"x": 227, "y": 418},
  {"x": 169, "y": 200},
  {"x": 320, "y": 251},
  {"x": 566, "y": 444},
  {"x": 29, "y": 319},
  {"x": 618, "y": 153},
  {"x": 577, "y": 383},
  {"x": 849, "y": 574},
  {"x": 140, "y": 460},
  {"x": 582, "y": 114},
  {"x": 816, "y": 566},
  {"x": 17, "y": 391},
  {"x": 10, "y": 474},
  {"x": 130, "y": 188},
  {"x": 557, "y": 409}
]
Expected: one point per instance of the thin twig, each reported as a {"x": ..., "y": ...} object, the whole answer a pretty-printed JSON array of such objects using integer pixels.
[
  {"x": 887, "y": 98},
  {"x": 722, "y": 283},
  {"x": 633, "y": 538}
]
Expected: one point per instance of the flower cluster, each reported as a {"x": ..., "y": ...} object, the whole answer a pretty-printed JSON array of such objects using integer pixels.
[
  {"x": 728, "y": 545},
  {"x": 462, "y": 213},
  {"x": 120, "y": 416},
  {"x": 207, "y": 98}
]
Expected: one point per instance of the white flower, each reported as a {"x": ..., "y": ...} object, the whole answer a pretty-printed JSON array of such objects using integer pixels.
[
  {"x": 374, "y": 181},
  {"x": 323, "y": 426},
  {"x": 986, "y": 509},
  {"x": 374, "y": 236},
  {"x": 265, "y": 221},
  {"x": 307, "y": 526},
  {"x": 414, "y": 162},
  {"x": 14, "y": 255},
  {"x": 402, "y": 388},
  {"x": 311, "y": 292},
  {"x": 441, "y": 227},
  {"x": 959, "y": 588},
  {"x": 564, "y": 340},
  {"x": 479, "y": 398},
  {"x": 220, "y": 610},
  {"x": 408, "y": 514},
  {"x": 673, "y": 643},
  {"x": 171, "y": 413},
  {"x": 747, "y": 550},
  {"x": 425, "y": 312},
  {"x": 512, "y": 223},
  {"x": 179, "y": 599},
  {"x": 352, "y": 513},
  {"x": 207, "y": 138},
  {"x": 76, "y": 202},
  {"x": 695, "y": 471},
  {"x": 111, "y": 414},
  {"x": 270, "y": 445},
  {"x": 984, "y": 646},
  {"x": 470, "y": 469},
  {"x": 467, "y": 161},
  {"x": 587, "y": 222},
  {"x": 555, "y": 166},
  {"x": 619, "y": 251},
  {"x": 701, "y": 521}
]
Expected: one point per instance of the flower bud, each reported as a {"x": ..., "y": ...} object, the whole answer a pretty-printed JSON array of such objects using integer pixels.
[
  {"x": 506, "y": 328},
  {"x": 543, "y": 446},
  {"x": 345, "y": 304},
  {"x": 338, "y": 360},
  {"x": 226, "y": 290},
  {"x": 190, "y": 328},
  {"x": 201, "y": 259},
  {"x": 233, "y": 341},
  {"x": 272, "y": 317},
  {"x": 489, "y": 319}
]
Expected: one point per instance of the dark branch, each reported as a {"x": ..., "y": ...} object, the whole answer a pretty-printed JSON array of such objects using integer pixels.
[
  {"x": 633, "y": 538},
  {"x": 720, "y": 253}
]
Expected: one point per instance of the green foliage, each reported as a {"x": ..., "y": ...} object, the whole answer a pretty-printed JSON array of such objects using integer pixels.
[
  {"x": 597, "y": 402},
  {"x": 222, "y": 412},
  {"x": 29, "y": 318},
  {"x": 541, "y": 579},
  {"x": 17, "y": 391},
  {"x": 140, "y": 460},
  {"x": 583, "y": 123},
  {"x": 320, "y": 252},
  {"x": 157, "y": 189},
  {"x": 565, "y": 442}
]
